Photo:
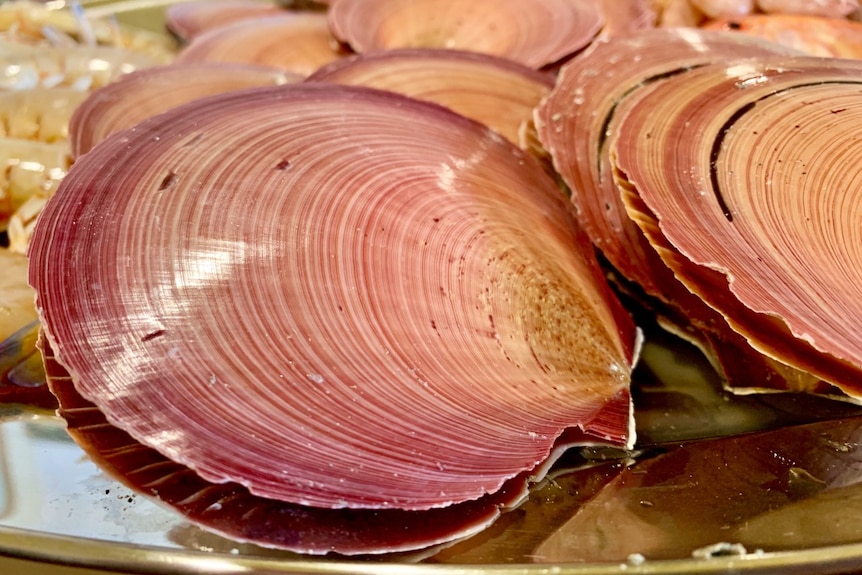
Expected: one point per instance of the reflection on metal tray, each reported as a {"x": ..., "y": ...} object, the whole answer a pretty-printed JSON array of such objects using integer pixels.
[{"x": 783, "y": 494}]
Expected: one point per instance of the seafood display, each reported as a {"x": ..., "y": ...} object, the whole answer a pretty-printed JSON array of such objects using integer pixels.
[
  {"x": 17, "y": 297},
  {"x": 813, "y": 35},
  {"x": 37, "y": 23},
  {"x": 576, "y": 136},
  {"x": 355, "y": 277},
  {"x": 804, "y": 470}
]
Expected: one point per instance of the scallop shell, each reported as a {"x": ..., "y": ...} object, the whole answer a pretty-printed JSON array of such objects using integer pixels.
[
  {"x": 496, "y": 92},
  {"x": 145, "y": 93},
  {"x": 334, "y": 296},
  {"x": 574, "y": 123},
  {"x": 298, "y": 42},
  {"x": 749, "y": 212},
  {"x": 624, "y": 17},
  {"x": 813, "y": 35},
  {"x": 535, "y": 33},
  {"x": 189, "y": 19}
]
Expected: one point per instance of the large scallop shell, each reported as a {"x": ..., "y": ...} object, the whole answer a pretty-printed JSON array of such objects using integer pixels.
[
  {"x": 758, "y": 211},
  {"x": 337, "y": 297}
]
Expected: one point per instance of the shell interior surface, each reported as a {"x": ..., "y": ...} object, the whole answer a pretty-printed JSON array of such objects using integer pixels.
[
  {"x": 334, "y": 296},
  {"x": 750, "y": 210}
]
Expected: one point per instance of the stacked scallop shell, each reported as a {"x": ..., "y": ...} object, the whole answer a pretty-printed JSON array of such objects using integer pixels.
[{"x": 330, "y": 296}]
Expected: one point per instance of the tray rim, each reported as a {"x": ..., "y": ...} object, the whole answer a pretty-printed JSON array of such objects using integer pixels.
[{"x": 109, "y": 556}]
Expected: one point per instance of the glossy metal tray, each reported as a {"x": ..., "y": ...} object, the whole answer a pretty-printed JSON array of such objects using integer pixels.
[
  {"x": 56, "y": 507},
  {"x": 765, "y": 501}
]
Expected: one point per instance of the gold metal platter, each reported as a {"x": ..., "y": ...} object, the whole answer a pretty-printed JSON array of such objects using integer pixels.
[{"x": 721, "y": 484}]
